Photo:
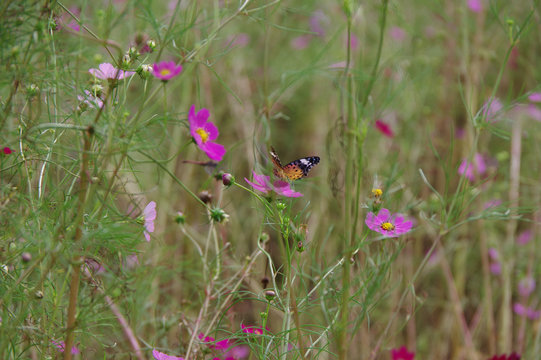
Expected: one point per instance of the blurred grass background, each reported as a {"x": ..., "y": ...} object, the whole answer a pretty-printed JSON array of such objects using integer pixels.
[{"x": 274, "y": 73}]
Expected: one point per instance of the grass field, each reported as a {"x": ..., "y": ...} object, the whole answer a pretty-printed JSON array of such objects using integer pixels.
[{"x": 152, "y": 205}]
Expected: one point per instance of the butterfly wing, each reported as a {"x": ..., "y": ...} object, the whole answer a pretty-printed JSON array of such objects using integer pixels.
[
  {"x": 294, "y": 170},
  {"x": 300, "y": 168}
]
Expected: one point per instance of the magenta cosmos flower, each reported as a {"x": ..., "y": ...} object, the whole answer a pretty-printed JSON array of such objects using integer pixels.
[
  {"x": 402, "y": 354},
  {"x": 204, "y": 132},
  {"x": 225, "y": 348},
  {"x": 161, "y": 356},
  {"x": 384, "y": 128},
  {"x": 149, "y": 214},
  {"x": 166, "y": 70},
  {"x": 262, "y": 183},
  {"x": 7, "y": 150},
  {"x": 512, "y": 356},
  {"x": 476, "y": 167},
  {"x": 387, "y": 224},
  {"x": 252, "y": 329},
  {"x": 107, "y": 71}
]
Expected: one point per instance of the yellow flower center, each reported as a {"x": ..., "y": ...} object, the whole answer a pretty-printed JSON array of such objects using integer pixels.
[
  {"x": 377, "y": 192},
  {"x": 387, "y": 226},
  {"x": 204, "y": 135},
  {"x": 165, "y": 72}
]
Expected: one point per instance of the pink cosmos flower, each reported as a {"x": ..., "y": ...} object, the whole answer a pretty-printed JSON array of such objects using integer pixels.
[
  {"x": 469, "y": 170},
  {"x": 149, "y": 214},
  {"x": 475, "y": 5},
  {"x": 238, "y": 40},
  {"x": 384, "y": 128},
  {"x": 107, "y": 71},
  {"x": 315, "y": 22},
  {"x": 204, "y": 132},
  {"x": 387, "y": 224},
  {"x": 61, "y": 345},
  {"x": 534, "y": 112},
  {"x": 262, "y": 183},
  {"x": 252, "y": 329},
  {"x": 161, "y": 356},
  {"x": 7, "y": 150},
  {"x": 526, "y": 286},
  {"x": 354, "y": 42},
  {"x": 166, "y": 70},
  {"x": 492, "y": 204},
  {"x": 524, "y": 237},
  {"x": 91, "y": 100},
  {"x": 402, "y": 354},
  {"x": 526, "y": 311}
]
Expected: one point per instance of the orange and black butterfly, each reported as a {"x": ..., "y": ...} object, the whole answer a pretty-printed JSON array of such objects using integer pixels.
[{"x": 294, "y": 170}]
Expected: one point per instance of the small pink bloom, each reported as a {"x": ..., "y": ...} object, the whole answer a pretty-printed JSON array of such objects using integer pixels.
[
  {"x": 387, "y": 224},
  {"x": 61, "y": 345},
  {"x": 204, "y": 132},
  {"x": 238, "y": 40},
  {"x": 149, "y": 214},
  {"x": 7, "y": 150},
  {"x": 471, "y": 170},
  {"x": 166, "y": 70},
  {"x": 524, "y": 237},
  {"x": 402, "y": 354},
  {"x": 315, "y": 22},
  {"x": 532, "y": 314},
  {"x": 492, "y": 203},
  {"x": 496, "y": 268},
  {"x": 534, "y": 112},
  {"x": 397, "y": 33},
  {"x": 161, "y": 356},
  {"x": 493, "y": 253},
  {"x": 491, "y": 109},
  {"x": 475, "y": 5},
  {"x": 92, "y": 101},
  {"x": 526, "y": 286},
  {"x": 300, "y": 42},
  {"x": 107, "y": 71},
  {"x": 512, "y": 356},
  {"x": 535, "y": 97},
  {"x": 384, "y": 128}
]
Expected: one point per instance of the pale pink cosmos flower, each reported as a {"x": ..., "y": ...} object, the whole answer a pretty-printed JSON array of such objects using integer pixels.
[
  {"x": 91, "y": 100},
  {"x": 492, "y": 204},
  {"x": 526, "y": 311},
  {"x": 61, "y": 345},
  {"x": 161, "y": 356},
  {"x": 388, "y": 224},
  {"x": 526, "y": 286},
  {"x": 262, "y": 183},
  {"x": 397, "y": 33},
  {"x": 149, "y": 214},
  {"x": 384, "y": 128},
  {"x": 535, "y": 97},
  {"x": 107, "y": 71},
  {"x": 166, "y": 70},
  {"x": 354, "y": 42},
  {"x": 492, "y": 109},
  {"x": 238, "y": 40},
  {"x": 300, "y": 42},
  {"x": 524, "y": 237},
  {"x": 475, "y": 5},
  {"x": 316, "y": 20},
  {"x": 204, "y": 132}
]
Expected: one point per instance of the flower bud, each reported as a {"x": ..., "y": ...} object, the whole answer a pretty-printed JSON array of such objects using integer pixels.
[
  {"x": 32, "y": 90},
  {"x": 26, "y": 257},
  {"x": 180, "y": 218},
  {"x": 228, "y": 179},
  {"x": 270, "y": 295},
  {"x": 205, "y": 196},
  {"x": 218, "y": 215}
]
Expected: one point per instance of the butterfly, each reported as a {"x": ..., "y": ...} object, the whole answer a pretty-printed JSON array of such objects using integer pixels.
[{"x": 294, "y": 170}]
